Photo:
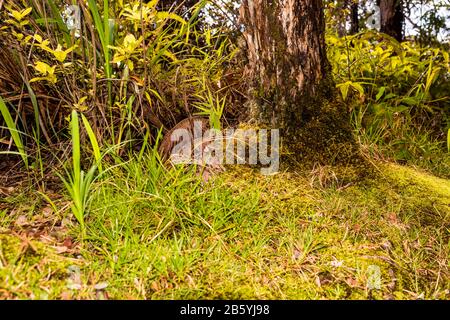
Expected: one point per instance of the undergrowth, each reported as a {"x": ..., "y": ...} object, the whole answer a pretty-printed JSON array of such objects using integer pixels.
[
  {"x": 398, "y": 95},
  {"x": 142, "y": 230},
  {"x": 163, "y": 234}
]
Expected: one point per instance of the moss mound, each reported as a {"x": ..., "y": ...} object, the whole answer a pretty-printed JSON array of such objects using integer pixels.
[{"x": 325, "y": 139}]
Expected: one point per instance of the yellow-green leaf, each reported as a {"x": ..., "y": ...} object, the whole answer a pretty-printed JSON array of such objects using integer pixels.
[{"x": 161, "y": 16}]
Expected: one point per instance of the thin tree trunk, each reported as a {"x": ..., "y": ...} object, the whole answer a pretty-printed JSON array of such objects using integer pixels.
[{"x": 354, "y": 18}]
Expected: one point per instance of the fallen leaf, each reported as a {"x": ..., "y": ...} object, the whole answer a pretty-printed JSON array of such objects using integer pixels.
[
  {"x": 21, "y": 221},
  {"x": 61, "y": 249},
  {"x": 190, "y": 281},
  {"x": 66, "y": 295},
  {"x": 154, "y": 286},
  {"x": 101, "y": 286},
  {"x": 47, "y": 212},
  {"x": 352, "y": 282},
  {"x": 392, "y": 218},
  {"x": 68, "y": 243},
  {"x": 318, "y": 283},
  {"x": 7, "y": 191}
]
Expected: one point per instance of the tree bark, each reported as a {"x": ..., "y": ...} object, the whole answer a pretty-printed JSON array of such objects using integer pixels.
[
  {"x": 291, "y": 86},
  {"x": 354, "y": 17},
  {"x": 392, "y": 18},
  {"x": 287, "y": 60}
]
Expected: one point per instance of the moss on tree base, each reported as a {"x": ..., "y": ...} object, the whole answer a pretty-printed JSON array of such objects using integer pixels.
[{"x": 325, "y": 139}]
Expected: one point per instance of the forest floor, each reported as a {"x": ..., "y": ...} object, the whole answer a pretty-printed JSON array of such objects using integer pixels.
[{"x": 164, "y": 235}]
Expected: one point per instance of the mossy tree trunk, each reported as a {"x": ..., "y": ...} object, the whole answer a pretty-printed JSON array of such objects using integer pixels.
[
  {"x": 286, "y": 60},
  {"x": 291, "y": 87}
]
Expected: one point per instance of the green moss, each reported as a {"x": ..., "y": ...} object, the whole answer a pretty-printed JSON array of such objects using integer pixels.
[
  {"x": 31, "y": 269},
  {"x": 423, "y": 181},
  {"x": 325, "y": 137},
  {"x": 296, "y": 235}
]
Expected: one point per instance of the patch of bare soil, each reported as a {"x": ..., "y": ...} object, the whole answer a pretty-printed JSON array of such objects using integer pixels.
[
  {"x": 11, "y": 174},
  {"x": 34, "y": 218}
]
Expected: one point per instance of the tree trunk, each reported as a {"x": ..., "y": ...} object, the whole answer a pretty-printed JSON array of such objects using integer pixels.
[
  {"x": 354, "y": 18},
  {"x": 286, "y": 60},
  {"x": 291, "y": 86},
  {"x": 392, "y": 18}
]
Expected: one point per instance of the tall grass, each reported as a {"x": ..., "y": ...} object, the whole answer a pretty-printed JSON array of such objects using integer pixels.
[
  {"x": 131, "y": 82},
  {"x": 94, "y": 143},
  {"x": 15, "y": 134},
  {"x": 78, "y": 183},
  {"x": 157, "y": 78}
]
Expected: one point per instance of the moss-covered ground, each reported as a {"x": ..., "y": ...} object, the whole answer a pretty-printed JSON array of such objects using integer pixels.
[{"x": 295, "y": 235}]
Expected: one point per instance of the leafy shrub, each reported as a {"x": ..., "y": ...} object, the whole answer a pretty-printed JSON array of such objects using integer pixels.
[
  {"x": 399, "y": 95},
  {"x": 128, "y": 68}
]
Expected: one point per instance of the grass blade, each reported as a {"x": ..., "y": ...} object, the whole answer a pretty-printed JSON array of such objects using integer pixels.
[
  {"x": 13, "y": 130},
  {"x": 94, "y": 143}
]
